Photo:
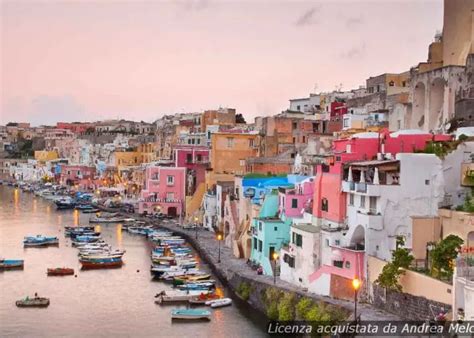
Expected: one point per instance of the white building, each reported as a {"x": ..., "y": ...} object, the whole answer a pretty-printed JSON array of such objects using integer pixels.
[{"x": 309, "y": 104}]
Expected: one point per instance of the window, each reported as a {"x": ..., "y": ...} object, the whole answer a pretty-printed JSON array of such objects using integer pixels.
[
  {"x": 339, "y": 264},
  {"x": 295, "y": 124},
  {"x": 404, "y": 83},
  {"x": 69, "y": 172},
  {"x": 324, "y": 204},
  {"x": 289, "y": 260},
  {"x": 275, "y": 228},
  {"x": 327, "y": 242},
  {"x": 251, "y": 143},
  {"x": 170, "y": 180},
  {"x": 255, "y": 243},
  {"x": 351, "y": 199},
  {"x": 391, "y": 83},
  {"x": 298, "y": 107},
  {"x": 399, "y": 124},
  {"x": 189, "y": 141},
  {"x": 304, "y": 139},
  {"x": 294, "y": 203},
  {"x": 337, "y": 242},
  {"x": 170, "y": 195},
  {"x": 78, "y": 173},
  {"x": 294, "y": 139},
  {"x": 260, "y": 226},
  {"x": 378, "y": 88},
  {"x": 242, "y": 163},
  {"x": 348, "y": 265},
  {"x": 299, "y": 240},
  {"x": 427, "y": 182},
  {"x": 346, "y": 123},
  {"x": 362, "y": 202},
  {"x": 260, "y": 245},
  {"x": 230, "y": 142},
  {"x": 373, "y": 204},
  {"x": 189, "y": 158},
  {"x": 199, "y": 158}
]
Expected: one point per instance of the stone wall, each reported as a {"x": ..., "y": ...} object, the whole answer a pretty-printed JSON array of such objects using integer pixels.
[{"x": 407, "y": 306}]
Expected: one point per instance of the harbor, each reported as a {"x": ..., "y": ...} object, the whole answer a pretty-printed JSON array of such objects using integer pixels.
[{"x": 111, "y": 301}]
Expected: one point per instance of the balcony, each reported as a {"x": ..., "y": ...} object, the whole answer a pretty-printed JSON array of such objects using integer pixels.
[
  {"x": 370, "y": 220},
  {"x": 362, "y": 188}
]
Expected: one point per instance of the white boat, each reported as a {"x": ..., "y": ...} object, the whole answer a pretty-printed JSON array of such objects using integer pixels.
[
  {"x": 177, "y": 296},
  {"x": 215, "y": 303}
]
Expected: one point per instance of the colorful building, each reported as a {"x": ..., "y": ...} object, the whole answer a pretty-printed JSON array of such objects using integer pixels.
[{"x": 164, "y": 191}]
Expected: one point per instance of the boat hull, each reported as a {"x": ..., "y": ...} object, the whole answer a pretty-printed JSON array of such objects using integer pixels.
[
  {"x": 101, "y": 265},
  {"x": 35, "y": 302},
  {"x": 60, "y": 272}
]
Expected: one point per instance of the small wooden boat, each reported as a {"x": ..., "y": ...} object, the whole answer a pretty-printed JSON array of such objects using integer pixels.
[
  {"x": 179, "y": 280},
  {"x": 103, "y": 263},
  {"x": 60, "y": 272},
  {"x": 9, "y": 264},
  {"x": 203, "y": 298},
  {"x": 177, "y": 296},
  {"x": 194, "y": 314},
  {"x": 90, "y": 211},
  {"x": 219, "y": 302},
  {"x": 39, "y": 241},
  {"x": 33, "y": 302}
]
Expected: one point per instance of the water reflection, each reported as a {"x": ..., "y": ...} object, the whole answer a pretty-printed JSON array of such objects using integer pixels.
[
  {"x": 76, "y": 217},
  {"x": 98, "y": 303}
]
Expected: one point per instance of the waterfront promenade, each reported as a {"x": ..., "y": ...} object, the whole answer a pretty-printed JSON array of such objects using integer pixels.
[{"x": 207, "y": 246}]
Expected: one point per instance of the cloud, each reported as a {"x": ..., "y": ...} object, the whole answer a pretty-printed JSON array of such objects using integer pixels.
[
  {"x": 308, "y": 17},
  {"x": 354, "y": 52},
  {"x": 196, "y": 5}
]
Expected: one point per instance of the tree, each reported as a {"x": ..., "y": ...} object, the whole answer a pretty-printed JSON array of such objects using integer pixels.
[
  {"x": 239, "y": 118},
  {"x": 391, "y": 272},
  {"x": 443, "y": 255}
]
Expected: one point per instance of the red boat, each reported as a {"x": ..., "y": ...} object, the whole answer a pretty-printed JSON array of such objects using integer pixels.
[
  {"x": 60, "y": 272},
  {"x": 101, "y": 265}
]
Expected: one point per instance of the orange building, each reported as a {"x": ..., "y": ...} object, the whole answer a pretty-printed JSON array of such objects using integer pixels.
[
  {"x": 221, "y": 117},
  {"x": 229, "y": 152}
]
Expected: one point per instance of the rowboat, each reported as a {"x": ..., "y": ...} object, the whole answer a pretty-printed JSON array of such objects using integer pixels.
[
  {"x": 203, "y": 298},
  {"x": 197, "y": 286},
  {"x": 176, "y": 296},
  {"x": 219, "y": 302},
  {"x": 39, "y": 240},
  {"x": 60, "y": 272},
  {"x": 194, "y": 314},
  {"x": 103, "y": 255},
  {"x": 90, "y": 211},
  {"x": 179, "y": 280},
  {"x": 6, "y": 264},
  {"x": 33, "y": 302},
  {"x": 103, "y": 263}
]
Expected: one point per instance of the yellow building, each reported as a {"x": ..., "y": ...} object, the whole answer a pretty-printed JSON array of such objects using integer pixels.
[{"x": 43, "y": 156}]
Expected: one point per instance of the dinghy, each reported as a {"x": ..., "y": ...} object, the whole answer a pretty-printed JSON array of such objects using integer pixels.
[{"x": 194, "y": 314}]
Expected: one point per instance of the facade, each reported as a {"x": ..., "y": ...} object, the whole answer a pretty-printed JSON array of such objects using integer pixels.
[{"x": 164, "y": 191}]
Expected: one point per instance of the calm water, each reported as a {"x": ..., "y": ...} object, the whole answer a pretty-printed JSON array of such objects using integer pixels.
[{"x": 115, "y": 302}]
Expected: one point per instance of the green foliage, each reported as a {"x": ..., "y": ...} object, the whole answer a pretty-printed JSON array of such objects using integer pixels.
[
  {"x": 443, "y": 255},
  {"x": 272, "y": 311},
  {"x": 286, "y": 307},
  {"x": 302, "y": 307},
  {"x": 440, "y": 149},
  {"x": 391, "y": 272},
  {"x": 463, "y": 137},
  {"x": 468, "y": 205},
  {"x": 244, "y": 290},
  {"x": 239, "y": 118}
]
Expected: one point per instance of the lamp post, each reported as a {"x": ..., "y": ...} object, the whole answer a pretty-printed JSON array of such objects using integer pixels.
[
  {"x": 356, "y": 285},
  {"x": 275, "y": 258},
  {"x": 429, "y": 247},
  {"x": 219, "y": 239},
  {"x": 196, "y": 225}
]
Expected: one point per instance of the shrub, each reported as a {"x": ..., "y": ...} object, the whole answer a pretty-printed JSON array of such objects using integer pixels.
[
  {"x": 302, "y": 307},
  {"x": 443, "y": 255},
  {"x": 244, "y": 290},
  {"x": 286, "y": 307}
]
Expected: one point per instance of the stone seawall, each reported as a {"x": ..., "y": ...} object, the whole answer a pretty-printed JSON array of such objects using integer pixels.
[{"x": 234, "y": 272}]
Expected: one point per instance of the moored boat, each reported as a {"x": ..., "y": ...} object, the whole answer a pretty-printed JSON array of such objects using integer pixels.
[
  {"x": 39, "y": 241},
  {"x": 102, "y": 263},
  {"x": 219, "y": 302},
  {"x": 193, "y": 314},
  {"x": 176, "y": 296},
  {"x": 9, "y": 264},
  {"x": 33, "y": 302},
  {"x": 60, "y": 272},
  {"x": 203, "y": 298}
]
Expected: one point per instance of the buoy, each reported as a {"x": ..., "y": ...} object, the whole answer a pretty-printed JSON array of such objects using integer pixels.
[
  {"x": 75, "y": 276},
  {"x": 138, "y": 270}
]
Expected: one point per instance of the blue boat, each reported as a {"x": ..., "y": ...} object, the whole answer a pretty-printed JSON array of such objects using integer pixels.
[
  {"x": 39, "y": 240},
  {"x": 194, "y": 314},
  {"x": 65, "y": 203},
  {"x": 6, "y": 264}
]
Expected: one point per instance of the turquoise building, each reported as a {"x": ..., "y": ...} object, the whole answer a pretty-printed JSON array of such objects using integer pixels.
[{"x": 269, "y": 233}]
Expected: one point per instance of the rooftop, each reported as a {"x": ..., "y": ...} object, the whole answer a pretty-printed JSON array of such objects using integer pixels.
[{"x": 306, "y": 227}]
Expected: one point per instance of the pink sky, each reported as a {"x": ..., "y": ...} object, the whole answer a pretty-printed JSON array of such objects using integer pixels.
[{"x": 89, "y": 60}]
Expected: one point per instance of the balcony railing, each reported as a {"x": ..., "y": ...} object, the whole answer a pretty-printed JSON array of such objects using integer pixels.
[
  {"x": 160, "y": 200},
  {"x": 361, "y": 187}
]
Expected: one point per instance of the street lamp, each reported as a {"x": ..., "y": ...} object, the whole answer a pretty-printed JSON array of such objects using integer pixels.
[
  {"x": 196, "y": 225},
  {"x": 219, "y": 239},
  {"x": 275, "y": 258},
  {"x": 356, "y": 285}
]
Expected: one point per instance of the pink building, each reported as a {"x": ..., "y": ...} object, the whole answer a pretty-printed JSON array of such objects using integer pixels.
[
  {"x": 294, "y": 202},
  {"x": 76, "y": 174},
  {"x": 164, "y": 191},
  {"x": 195, "y": 158}
]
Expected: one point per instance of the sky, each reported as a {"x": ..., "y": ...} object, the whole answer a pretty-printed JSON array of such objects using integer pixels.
[{"x": 89, "y": 60}]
